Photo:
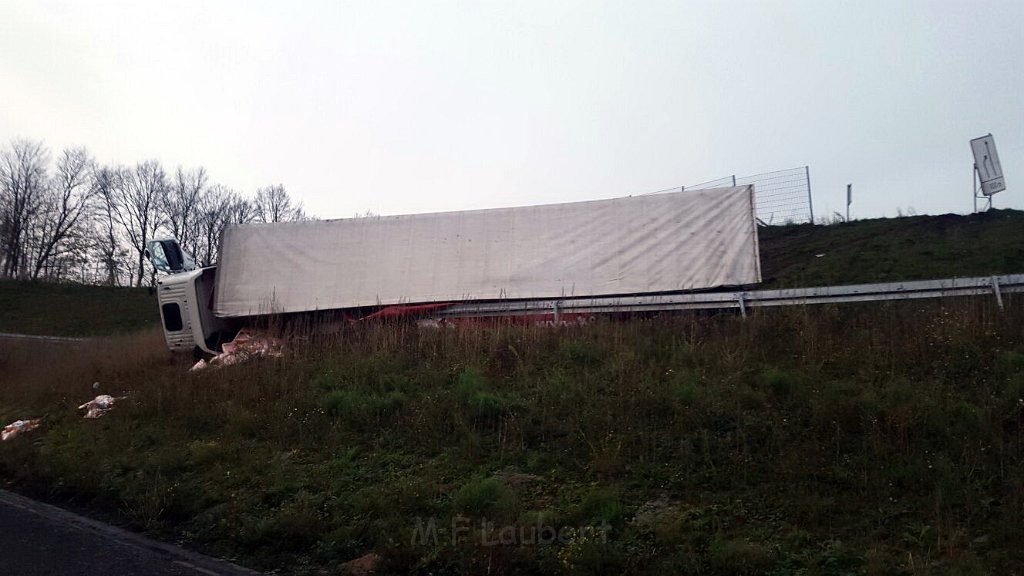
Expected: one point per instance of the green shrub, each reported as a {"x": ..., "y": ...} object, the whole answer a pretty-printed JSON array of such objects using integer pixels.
[
  {"x": 601, "y": 505},
  {"x": 581, "y": 353},
  {"x": 684, "y": 388},
  {"x": 488, "y": 406},
  {"x": 327, "y": 380},
  {"x": 345, "y": 404},
  {"x": 470, "y": 382},
  {"x": 202, "y": 453},
  {"x": 779, "y": 383},
  {"x": 387, "y": 404},
  {"x": 535, "y": 518},
  {"x": 1010, "y": 363},
  {"x": 486, "y": 498},
  {"x": 357, "y": 405},
  {"x": 480, "y": 403}
]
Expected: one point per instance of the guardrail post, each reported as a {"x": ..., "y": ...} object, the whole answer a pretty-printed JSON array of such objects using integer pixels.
[
  {"x": 743, "y": 305},
  {"x": 557, "y": 313},
  {"x": 995, "y": 290}
]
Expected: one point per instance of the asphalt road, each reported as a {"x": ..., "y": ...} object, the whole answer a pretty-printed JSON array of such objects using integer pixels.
[{"x": 37, "y": 539}]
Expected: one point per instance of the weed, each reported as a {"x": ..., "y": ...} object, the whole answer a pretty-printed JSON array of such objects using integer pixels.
[
  {"x": 685, "y": 388},
  {"x": 485, "y": 498},
  {"x": 1010, "y": 363},
  {"x": 601, "y": 506},
  {"x": 779, "y": 383},
  {"x": 481, "y": 404},
  {"x": 739, "y": 557}
]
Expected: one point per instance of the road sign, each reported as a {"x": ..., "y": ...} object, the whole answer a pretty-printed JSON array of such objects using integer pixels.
[{"x": 986, "y": 162}]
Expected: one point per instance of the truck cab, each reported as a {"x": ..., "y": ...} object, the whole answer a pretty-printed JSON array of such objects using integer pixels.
[{"x": 185, "y": 293}]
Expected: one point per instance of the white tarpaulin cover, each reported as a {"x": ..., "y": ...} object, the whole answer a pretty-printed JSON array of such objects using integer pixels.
[{"x": 655, "y": 243}]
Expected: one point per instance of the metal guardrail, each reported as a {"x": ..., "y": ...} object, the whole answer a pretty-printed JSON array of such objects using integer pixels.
[
  {"x": 37, "y": 338},
  {"x": 742, "y": 300}
]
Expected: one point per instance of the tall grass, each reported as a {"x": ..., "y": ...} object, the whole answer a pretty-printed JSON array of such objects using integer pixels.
[{"x": 876, "y": 439}]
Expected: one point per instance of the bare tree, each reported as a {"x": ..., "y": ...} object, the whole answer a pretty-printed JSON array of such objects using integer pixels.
[
  {"x": 273, "y": 204},
  {"x": 74, "y": 219},
  {"x": 136, "y": 207},
  {"x": 211, "y": 213},
  {"x": 108, "y": 182},
  {"x": 218, "y": 209},
  {"x": 60, "y": 227},
  {"x": 241, "y": 210},
  {"x": 23, "y": 182},
  {"x": 181, "y": 205}
]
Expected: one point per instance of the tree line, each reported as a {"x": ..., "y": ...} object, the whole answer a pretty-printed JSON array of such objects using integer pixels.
[{"x": 69, "y": 218}]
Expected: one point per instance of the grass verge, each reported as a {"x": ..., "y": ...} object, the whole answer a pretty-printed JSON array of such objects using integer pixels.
[
  {"x": 879, "y": 439},
  {"x": 74, "y": 309},
  {"x": 893, "y": 249}
]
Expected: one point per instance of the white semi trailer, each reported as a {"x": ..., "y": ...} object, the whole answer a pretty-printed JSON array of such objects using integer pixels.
[{"x": 641, "y": 245}]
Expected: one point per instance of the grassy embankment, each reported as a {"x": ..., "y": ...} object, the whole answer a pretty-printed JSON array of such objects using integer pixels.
[
  {"x": 893, "y": 249},
  {"x": 823, "y": 440},
  {"x": 73, "y": 309},
  {"x": 883, "y": 440}
]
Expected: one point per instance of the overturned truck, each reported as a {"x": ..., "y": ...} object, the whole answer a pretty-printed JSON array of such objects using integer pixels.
[{"x": 353, "y": 268}]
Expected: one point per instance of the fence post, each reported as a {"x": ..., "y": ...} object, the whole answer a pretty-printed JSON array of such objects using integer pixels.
[{"x": 810, "y": 203}]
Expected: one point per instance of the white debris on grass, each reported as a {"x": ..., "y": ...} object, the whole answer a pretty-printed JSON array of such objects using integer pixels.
[
  {"x": 245, "y": 346},
  {"x": 99, "y": 405},
  {"x": 17, "y": 427}
]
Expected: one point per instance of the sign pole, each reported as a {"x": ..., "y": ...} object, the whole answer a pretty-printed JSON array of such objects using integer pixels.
[
  {"x": 974, "y": 186},
  {"x": 849, "y": 200}
]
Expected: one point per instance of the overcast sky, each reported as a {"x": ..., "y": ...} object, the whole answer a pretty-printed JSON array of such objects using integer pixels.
[{"x": 415, "y": 106}]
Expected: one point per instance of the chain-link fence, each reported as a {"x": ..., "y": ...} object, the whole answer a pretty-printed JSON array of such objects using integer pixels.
[{"x": 782, "y": 196}]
